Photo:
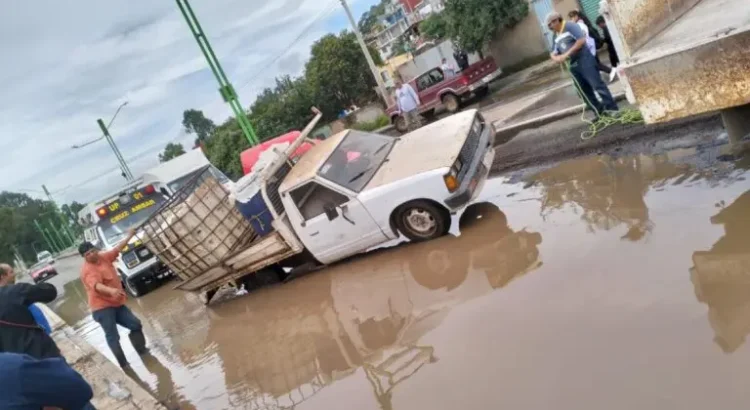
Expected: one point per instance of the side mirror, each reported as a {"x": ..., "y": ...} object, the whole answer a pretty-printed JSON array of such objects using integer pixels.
[{"x": 331, "y": 212}]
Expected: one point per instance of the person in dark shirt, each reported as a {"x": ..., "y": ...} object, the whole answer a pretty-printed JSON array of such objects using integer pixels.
[
  {"x": 570, "y": 48},
  {"x": 614, "y": 60},
  {"x": 27, "y": 383},
  {"x": 19, "y": 331}
]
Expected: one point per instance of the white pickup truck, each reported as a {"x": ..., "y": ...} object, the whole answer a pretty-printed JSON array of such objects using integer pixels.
[{"x": 348, "y": 194}]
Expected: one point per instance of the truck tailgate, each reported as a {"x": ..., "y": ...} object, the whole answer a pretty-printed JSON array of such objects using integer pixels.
[{"x": 263, "y": 252}]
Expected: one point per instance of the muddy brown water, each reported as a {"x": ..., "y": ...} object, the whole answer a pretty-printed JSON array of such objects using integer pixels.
[{"x": 599, "y": 283}]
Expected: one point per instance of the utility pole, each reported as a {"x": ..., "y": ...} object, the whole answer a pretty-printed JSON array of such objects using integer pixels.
[
  {"x": 65, "y": 224},
  {"x": 366, "y": 51},
  {"x": 118, "y": 154},
  {"x": 226, "y": 89}
]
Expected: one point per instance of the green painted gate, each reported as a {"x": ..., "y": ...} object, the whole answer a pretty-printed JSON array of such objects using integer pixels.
[{"x": 591, "y": 9}]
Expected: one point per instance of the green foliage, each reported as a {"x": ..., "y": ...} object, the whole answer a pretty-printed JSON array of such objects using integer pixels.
[
  {"x": 434, "y": 27},
  {"x": 17, "y": 230},
  {"x": 400, "y": 47},
  {"x": 195, "y": 122},
  {"x": 71, "y": 213},
  {"x": 171, "y": 151},
  {"x": 224, "y": 147},
  {"x": 473, "y": 23},
  {"x": 379, "y": 123},
  {"x": 339, "y": 75}
]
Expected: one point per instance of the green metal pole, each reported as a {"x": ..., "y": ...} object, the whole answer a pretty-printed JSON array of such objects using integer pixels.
[
  {"x": 56, "y": 235},
  {"x": 227, "y": 91},
  {"x": 44, "y": 235}
]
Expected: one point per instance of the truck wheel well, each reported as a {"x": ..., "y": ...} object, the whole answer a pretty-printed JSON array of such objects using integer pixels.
[{"x": 394, "y": 226}]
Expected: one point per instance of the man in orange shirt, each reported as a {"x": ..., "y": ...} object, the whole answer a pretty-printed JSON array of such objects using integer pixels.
[{"x": 107, "y": 297}]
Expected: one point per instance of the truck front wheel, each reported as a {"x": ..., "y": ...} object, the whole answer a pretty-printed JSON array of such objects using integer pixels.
[
  {"x": 422, "y": 220},
  {"x": 133, "y": 288}
]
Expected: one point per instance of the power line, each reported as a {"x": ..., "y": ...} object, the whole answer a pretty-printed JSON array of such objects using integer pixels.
[{"x": 323, "y": 13}]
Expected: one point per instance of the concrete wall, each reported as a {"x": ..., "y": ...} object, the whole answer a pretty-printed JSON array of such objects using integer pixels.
[
  {"x": 638, "y": 21},
  {"x": 526, "y": 40},
  {"x": 113, "y": 389}
]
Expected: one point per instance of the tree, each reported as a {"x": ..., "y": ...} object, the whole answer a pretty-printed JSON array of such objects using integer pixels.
[
  {"x": 71, "y": 213},
  {"x": 400, "y": 46},
  {"x": 473, "y": 23},
  {"x": 225, "y": 146},
  {"x": 171, "y": 151},
  {"x": 196, "y": 123},
  {"x": 434, "y": 27},
  {"x": 339, "y": 75},
  {"x": 17, "y": 231}
]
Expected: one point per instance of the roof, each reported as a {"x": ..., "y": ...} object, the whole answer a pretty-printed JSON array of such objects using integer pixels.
[
  {"x": 310, "y": 163},
  {"x": 177, "y": 167}
]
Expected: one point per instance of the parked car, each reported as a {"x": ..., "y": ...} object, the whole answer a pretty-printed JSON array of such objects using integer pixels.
[
  {"x": 45, "y": 257},
  {"x": 42, "y": 271},
  {"x": 436, "y": 91}
]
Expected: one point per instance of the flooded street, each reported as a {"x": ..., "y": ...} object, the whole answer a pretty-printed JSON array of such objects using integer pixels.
[{"x": 598, "y": 283}]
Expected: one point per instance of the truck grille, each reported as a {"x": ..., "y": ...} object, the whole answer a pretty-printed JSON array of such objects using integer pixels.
[
  {"x": 273, "y": 187},
  {"x": 468, "y": 151}
]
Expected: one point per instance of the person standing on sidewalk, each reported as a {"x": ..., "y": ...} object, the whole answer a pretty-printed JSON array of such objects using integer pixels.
[
  {"x": 614, "y": 59},
  {"x": 591, "y": 43},
  {"x": 408, "y": 103},
  {"x": 569, "y": 48},
  {"x": 107, "y": 298},
  {"x": 19, "y": 331}
]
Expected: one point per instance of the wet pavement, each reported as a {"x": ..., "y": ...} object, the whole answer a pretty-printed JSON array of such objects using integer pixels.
[{"x": 600, "y": 282}]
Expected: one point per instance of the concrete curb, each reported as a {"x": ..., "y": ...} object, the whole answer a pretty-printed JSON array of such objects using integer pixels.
[
  {"x": 548, "y": 118},
  {"x": 113, "y": 389}
]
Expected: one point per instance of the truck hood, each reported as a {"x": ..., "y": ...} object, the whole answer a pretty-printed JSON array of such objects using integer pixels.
[{"x": 432, "y": 147}]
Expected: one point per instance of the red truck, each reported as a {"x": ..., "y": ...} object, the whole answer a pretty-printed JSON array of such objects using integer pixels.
[{"x": 437, "y": 91}]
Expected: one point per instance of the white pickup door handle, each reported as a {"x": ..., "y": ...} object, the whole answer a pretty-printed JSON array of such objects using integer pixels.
[{"x": 315, "y": 233}]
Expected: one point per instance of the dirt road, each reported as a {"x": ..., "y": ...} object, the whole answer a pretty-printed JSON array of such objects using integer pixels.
[{"x": 614, "y": 282}]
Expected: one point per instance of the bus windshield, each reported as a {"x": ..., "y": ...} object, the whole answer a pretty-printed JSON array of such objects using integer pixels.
[{"x": 127, "y": 212}]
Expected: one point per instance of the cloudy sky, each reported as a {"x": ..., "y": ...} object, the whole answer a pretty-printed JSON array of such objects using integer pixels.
[{"x": 67, "y": 63}]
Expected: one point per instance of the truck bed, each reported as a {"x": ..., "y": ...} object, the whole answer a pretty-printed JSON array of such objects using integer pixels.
[{"x": 261, "y": 253}]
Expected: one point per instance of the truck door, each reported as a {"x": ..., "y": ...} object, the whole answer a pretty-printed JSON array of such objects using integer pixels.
[
  {"x": 428, "y": 87},
  {"x": 333, "y": 225}
]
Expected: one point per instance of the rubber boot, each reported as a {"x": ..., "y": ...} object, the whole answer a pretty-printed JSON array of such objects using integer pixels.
[
  {"x": 120, "y": 356},
  {"x": 138, "y": 341}
]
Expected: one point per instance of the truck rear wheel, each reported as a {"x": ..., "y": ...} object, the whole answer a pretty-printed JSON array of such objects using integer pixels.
[
  {"x": 451, "y": 103},
  {"x": 400, "y": 124},
  {"x": 422, "y": 220}
]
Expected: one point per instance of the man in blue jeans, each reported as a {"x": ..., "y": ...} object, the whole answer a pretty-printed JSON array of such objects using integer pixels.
[
  {"x": 107, "y": 298},
  {"x": 570, "y": 47}
]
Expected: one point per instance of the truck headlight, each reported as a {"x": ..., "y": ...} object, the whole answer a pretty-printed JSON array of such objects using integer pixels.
[
  {"x": 130, "y": 259},
  {"x": 478, "y": 125},
  {"x": 451, "y": 180}
]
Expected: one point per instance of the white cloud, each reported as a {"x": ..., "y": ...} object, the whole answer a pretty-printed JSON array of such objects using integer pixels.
[{"x": 69, "y": 63}]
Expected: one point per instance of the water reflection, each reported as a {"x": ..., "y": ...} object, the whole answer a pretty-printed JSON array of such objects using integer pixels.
[
  {"x": 721, "y": 276},
  {"x": 609, "y": 192},
  {"x": 282, "y": 346}
]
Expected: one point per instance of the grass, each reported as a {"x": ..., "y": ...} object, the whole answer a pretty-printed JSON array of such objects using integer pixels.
[{"x": 380, "y": 122}]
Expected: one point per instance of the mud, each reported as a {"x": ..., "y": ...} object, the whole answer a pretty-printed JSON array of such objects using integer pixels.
[{"x": 614, "y": 282}]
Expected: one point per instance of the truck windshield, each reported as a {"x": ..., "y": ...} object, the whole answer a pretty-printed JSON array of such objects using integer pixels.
[
  {"x": 356, "y": 160},
  {"x": 128, "y": 211}
]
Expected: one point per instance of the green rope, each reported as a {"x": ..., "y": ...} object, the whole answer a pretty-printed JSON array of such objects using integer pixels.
[{"x": 606, "y": 119}]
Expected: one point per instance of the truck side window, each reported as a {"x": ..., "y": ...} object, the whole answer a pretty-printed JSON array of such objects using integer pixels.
[
  {"x": 431, "y": 78},
  {"x": 312, "y": 198}
]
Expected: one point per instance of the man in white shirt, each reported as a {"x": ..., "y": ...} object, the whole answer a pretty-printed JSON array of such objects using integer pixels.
[
  {"x": 407, "y": 101},
  {"x": 449, "y": 71}
]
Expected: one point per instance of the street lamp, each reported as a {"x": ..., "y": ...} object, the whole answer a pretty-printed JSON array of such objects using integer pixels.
[
  {"x": 85, "y": 144},
  {"x": 105, "y": 131}
]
